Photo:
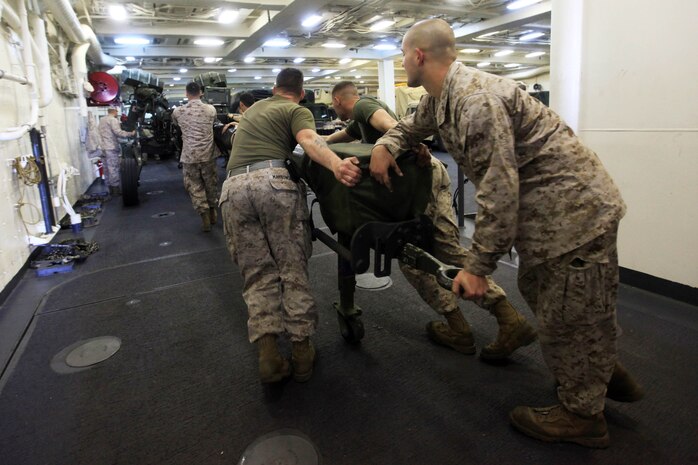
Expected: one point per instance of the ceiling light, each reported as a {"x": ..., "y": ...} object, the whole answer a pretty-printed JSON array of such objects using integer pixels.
[
  {"x": 483, "y": 64},
  {"x": 183, "y": 70},
  {"x": 227, "y": 16},
  {"x": 249, "y": 60},
  {"x": 130, "y": 40},
  {"x": 503, "y": 53},
  {"x": 531, "y": 36},
  {"x": 382, "y": 24},
  {"x": 177, "y": 78},
  {"x": 258, "y": 78},
  {"x": 361, "y": 82},
  {"x": 315, "y": 70},
  {"x": 118, "y": 12},
  {"x": 512, "y": 65},
  {"x": 384, "y": 47},
  {"x": 520, "y": 4},
  {"x": 372, "y": 19},
  {"x": 327, "y": 77},
  {"x": 311, "y": 21},
  {"x": 130, "y": 58},
  {"x": 307, "y": 78},
  {"x": 298, "y": 60},
  {"x": 336, "y": 77},
  {"x": 232, "y": 70},
  {"x": 488, "y": 34},
  {"x": 534, "y": 54},
  {"x": 171, "y": 85},
  {"x": 277, "y": 42},
  {"x": 357, "y": 77},
  {"x": 209, "y": 42},
  {"x": 344, "y": 61},
  {"x": 352, "y": 70},
  {"x": 276, "y": 70},
  {"x": 333, "y": 45},
  {"x": 212, "y": 60},
  {"x": 470, "y": 50}
]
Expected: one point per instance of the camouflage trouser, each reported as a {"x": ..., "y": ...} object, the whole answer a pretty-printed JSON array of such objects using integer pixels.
[
  {"x": 574, "y": 299},
  {"x": 447, "y": 248},
  {"x": 201, "y": 182},
  {"x": 113, "y": 167},
  {"x": 265, "y": 219}
]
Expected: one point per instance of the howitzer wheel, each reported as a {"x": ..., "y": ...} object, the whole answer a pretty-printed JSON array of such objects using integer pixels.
[
  {"x": 351, "y": 328},
  {"x": 129, "y": 181}
]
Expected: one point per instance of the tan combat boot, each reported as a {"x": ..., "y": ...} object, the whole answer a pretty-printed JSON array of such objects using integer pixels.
[
  {"x": 557, "y": 424},
  {"x": 622, "y": 387},
  {"x": 272, "y": 366},
  {"x": 302, "y": 358},
  {"x": 213, "y": 215},
  {"x": 456, "y": 334},
  {"x": 514, "y": 332},
  {"x": 206, "y": 222}
]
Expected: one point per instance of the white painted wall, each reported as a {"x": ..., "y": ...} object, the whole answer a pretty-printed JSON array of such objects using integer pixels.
[
  {"x": 638, "y": 109},
  {"x": 64, "y": 147}
]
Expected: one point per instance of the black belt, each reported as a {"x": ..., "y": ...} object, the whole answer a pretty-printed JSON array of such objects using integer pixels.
[{"x": 260, "y": 165}]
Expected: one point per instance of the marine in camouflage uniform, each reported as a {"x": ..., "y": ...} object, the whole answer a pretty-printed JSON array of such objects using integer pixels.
[
  {"x": 199, "y": 170},
  {"x": 110, "y": 130},
  {"x": 370, "y": 119},
  {"x": 537, "y": 188},
  {"x": 265, "y": 218}
]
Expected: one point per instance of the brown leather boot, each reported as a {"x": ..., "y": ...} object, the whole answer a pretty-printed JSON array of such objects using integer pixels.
[
  {"x": 456, "y": 334},
  {"x": 206, "y": 222},
  {"x": 213, "y": 215},
  {"x": 272, "y": 366},
  {"x": 303, "y": 359},
  {"x": 557, "y": 424},
  {"x": 514, "y": 332},
  {"x": 622, "y": 387}
]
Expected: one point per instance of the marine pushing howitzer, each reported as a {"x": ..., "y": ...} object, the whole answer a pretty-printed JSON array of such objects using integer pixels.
[{"x": 369, "y": 218}]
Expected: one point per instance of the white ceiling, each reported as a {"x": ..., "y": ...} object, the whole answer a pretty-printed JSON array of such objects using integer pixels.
[{"x": 172, "y": 28}]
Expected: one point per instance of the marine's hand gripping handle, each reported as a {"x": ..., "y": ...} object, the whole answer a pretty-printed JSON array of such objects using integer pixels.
[{"x": 423, "y": 261}]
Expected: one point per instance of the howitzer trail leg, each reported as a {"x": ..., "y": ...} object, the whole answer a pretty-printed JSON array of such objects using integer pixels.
[{"x": 348, "y": 313}]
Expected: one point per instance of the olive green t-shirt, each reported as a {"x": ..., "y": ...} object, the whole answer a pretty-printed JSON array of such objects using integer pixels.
[
  {"x": 267, "y": 131},
  {"x": 360, "y": 128}
]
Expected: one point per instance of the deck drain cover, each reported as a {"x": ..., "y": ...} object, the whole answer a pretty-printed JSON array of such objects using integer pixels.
[
  {"x": 154, "y": 192},
  {"x": 282, "y": 447},
  {"x": 369, "y": 282},
  {"x": 165, "y": 243},
  {"x": 163, "y": 214},
  {"x": 93, "y": 351}
]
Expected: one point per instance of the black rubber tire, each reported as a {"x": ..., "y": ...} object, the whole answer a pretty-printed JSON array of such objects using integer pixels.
[
  {"x": 351, "y": 328},
  {"x": 129, "y": 181}
]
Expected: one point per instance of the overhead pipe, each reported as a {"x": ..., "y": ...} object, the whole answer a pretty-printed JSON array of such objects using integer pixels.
[
  {"x": 13, "y": 77},
  {"x": 43, "y": 62},
  {"x": 529, "y": 73},
  {"x": 77, "y": 59},
  {"x": 97, "y": 56}
]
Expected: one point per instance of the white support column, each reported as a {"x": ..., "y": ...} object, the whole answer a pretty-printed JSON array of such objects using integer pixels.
[{"x": 386, "y": 83}]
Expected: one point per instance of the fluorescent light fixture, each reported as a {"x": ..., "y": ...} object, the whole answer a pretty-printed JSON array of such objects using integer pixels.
[
  {"x": 227, "y": 16},
  {"x": 384, "y": 47},
  {"x": 344, "y": 61},
  {"x": 333, "y": 45},
  {"x": 534, "y": 54},
  {"x": 315, "y": 70},
  {"x": 470, "y": 50},
  {"x": 249, "y": 60},
  {"x": 298, "y": 60},
  {"x": 232, "y": 70},
  {"x": 352, "y": 70},
  {"x": 503, "y": 53},
  {"x": 183, "y": 70},
  {"x": 130, "y": 40},
  {"x": 327, "y": 77},
  {"x": 177, "y": 78},
  {"x": 209, "y": 42},
  {"x": 372, "y": 19},
  {"x": 382, "y": 24},
  {"x": 488, "y": 34},
  {"x": 512, "y": 65},
  {"x": 130, "y": 58},
  {"x": 337, "y": 77},
  {"x": 276, "y": 70},
  {"x": 311, "y": 21},
  {"x": 171, "y": 85},
  {"x": 212, "y": 60},
  {"x": 531, "y": 36},
  {"x": 118, "y": 12},
  {"x": 258, "y": 78},
  {"x": 521, "y": 4},
  {"x": 483, "y": 64},
  {"x": 277, "y": 42},
  {"x": 307, "y": 78},
  {"x": 361, "y": 82},
  {"x": 357, "y": 77}
]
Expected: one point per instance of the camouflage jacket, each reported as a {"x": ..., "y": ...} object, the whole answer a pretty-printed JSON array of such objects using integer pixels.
[
  {"x": 196, "y": 119},
  {"x": 537, "y": 186},
  {"x": 109, "y": 131}
]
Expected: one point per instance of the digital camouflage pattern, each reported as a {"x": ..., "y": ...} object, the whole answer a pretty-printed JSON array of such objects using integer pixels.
[
  {"x": 201, "y": 182},
  {"x": 447, "y": 248},
  {"x": 109, "y": 131},
  {"x": 196, "y": 119},
  {"x": 113, "y": 167},
  {"x": 266, "y": 224},
  {"x": 538, "y": 187}
]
